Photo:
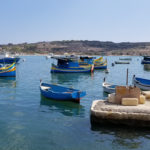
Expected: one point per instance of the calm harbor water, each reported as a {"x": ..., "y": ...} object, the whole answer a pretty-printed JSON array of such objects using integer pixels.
[{"x": 29, "y": 121}]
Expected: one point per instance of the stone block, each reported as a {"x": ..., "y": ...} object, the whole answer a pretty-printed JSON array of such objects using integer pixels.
[
  {"x": 111, "y": 98},
  {"x": 129, "y": 101},
  {"x": 146, "y": 94},
  {"x": 142, "y": 99}
]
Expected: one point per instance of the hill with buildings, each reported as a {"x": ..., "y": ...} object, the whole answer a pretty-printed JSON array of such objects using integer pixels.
[{"x": 79, "y": 47}]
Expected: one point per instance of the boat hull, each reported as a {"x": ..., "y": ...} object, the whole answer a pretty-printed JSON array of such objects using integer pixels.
[
  {"x": 142, "y": 86},
  {"x": 8, "y": 74},
  {"x": 108, "y": 88},
  {"x": 61, "y": 93},
  {"x": 145, "y": 62},
  {"x": 56, "y": 69},
  {"x": 100, "y": 67},
  {"x": 8, "y": 71},
  {"x": 9, "y": 60}
]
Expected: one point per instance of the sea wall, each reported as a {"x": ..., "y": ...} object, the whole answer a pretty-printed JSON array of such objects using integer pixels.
[{"x": 104, "y": 112}]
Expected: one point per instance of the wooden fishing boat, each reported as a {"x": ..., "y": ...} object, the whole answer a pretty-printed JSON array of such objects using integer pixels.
[
  {"x": 9, "y": 60},
  {"x": 108, "y": 88},
  {"x": 146, "y": 60},
  {"x": 99, "y": 63},
  {"x": 86, "y": 60},
  {"x": 143, "y": 84},
  {"x": 122, "y": 62},
  {"x": 6, "y": 58},
  {"x": 69, "y": 65},
  {"x": 8, "y": 70},
  {"x": 61, "y": 93}
]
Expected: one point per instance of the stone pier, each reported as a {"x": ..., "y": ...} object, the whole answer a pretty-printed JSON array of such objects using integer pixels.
[{"x": 103, "y": 111}]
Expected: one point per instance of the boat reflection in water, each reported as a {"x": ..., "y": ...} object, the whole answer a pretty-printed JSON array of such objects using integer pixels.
[
  {"x": 60, "y": 78},
  {"x": 63, "y": 107},
  {"x": 147, "y": 67},
  {"x": 7, "y": 81}
]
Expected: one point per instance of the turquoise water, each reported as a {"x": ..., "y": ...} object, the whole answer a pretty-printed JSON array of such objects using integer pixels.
[{"x": 29, "y": 121}]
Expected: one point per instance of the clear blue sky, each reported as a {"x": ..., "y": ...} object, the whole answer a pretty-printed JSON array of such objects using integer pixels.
[{"x": 50, "y": 20}]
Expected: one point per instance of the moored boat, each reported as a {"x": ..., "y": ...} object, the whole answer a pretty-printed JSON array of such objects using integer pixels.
[
  {"x": 125, "y": 59},
  {"x": 122, "y": 62},
  {"x": 57, "y": 92},
  {"x": 9, "y": 59},
  {"x": 146, "y": 60},
  {"x": 86, "y": 60},
  {"x": 69, "y": 65},
  {"x": 8, "y": 70},
  {"x": 143, "y": 84},
  {"x": 99, "y": 63},
  {"x": 108, "y": 88}
]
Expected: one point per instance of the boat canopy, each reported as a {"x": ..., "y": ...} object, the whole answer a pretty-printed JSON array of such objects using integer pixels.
[{"x": 67, "y": 62}]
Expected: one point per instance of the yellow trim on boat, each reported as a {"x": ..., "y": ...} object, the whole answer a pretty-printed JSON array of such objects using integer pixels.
[{"x": 4, "y": 68}]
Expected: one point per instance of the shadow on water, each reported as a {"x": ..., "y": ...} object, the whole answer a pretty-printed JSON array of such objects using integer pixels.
[
  {"x": 105, "y": 94},
  {"x": 7, "y": 81},
  {"x": 64, "y": 107},
  {"x": 123, "y": 136}
]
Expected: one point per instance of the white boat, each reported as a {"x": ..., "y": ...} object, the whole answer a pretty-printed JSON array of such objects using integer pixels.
[{"x": 108, "y": 88}]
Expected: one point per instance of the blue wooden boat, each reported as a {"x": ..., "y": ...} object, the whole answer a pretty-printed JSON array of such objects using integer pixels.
[
  {"x": 9, "y": 60},
  {"x": 143, "y": 84},
  {"x": 61, "y": 93},
  {"x": 8, "y": 70},
  {"x": 69, "y": 65},
  {"x": 146, "y": 60},
  {"x": 100, "y": 66},
  {"x": 86, "y": 60},
  {"x": 109, "y": 88},
  {"x": 99, "y": 63},
  {"x": 6, "y": 58}
]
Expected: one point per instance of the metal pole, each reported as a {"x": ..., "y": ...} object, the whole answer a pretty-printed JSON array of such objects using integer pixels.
[{"x": 127, "y": 78}]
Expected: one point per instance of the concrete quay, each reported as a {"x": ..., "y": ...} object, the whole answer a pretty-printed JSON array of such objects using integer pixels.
[{"x": 105, "y": 112}]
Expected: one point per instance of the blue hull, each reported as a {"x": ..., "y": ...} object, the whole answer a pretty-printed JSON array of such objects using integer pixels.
[
  {"x": 8, "y": 74},
  {"x": 69, "y": 71},
  {"x": 143, "y": 84},
  {"x": 56, "y": 69},
  {"x": 145, "y": 62},
  {"x": 100, "y": 67},
  {"x": 8, "y": 71},
  {"x": 61, "y": 93},
  {"x": 57, "y": 96},
  {"x": 9, "y": 60}
]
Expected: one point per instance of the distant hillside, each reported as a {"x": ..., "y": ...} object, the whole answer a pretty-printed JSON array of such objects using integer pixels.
[{"x": 80, "y": 47}]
